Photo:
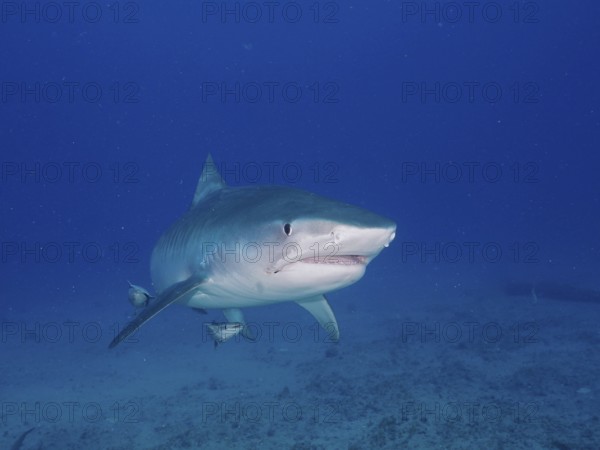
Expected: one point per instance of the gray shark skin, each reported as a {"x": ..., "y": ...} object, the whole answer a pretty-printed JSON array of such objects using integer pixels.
[{"x": 238, "y": 247}]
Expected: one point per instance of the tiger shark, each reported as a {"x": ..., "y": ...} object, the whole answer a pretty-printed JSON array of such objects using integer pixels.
[{"x": 238, "y": 247}]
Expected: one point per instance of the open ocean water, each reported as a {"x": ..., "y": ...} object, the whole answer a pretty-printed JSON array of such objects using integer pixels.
[{"x": 474, "y": 126}]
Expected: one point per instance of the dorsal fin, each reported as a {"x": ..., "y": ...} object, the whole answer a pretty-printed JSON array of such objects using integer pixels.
[{"x": 209, "y": 182}]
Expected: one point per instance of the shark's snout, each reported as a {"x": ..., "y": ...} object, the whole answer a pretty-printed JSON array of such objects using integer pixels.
[
  {"x": 368, "y": 242},
  {"x": 391, "y": 238}
]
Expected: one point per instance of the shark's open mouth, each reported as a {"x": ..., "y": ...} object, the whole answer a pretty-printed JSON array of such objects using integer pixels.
[
  {"x": 329, "y": 260},
  {"x": 340, "y": 260}
]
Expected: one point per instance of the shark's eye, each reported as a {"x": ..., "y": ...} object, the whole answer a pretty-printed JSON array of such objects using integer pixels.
[{"x": 287, "y": 229}]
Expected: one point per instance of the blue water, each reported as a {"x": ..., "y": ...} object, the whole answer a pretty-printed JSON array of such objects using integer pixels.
[{"x": 475, "y": 128}]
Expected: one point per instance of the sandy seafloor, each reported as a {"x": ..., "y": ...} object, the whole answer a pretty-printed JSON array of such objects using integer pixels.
[{"x": 534, "y": 387}]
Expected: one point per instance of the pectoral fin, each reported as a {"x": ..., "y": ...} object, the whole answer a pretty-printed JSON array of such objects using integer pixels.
[
  {"x": 321, "y": 311},
  {"x": 164, "y": 299}
]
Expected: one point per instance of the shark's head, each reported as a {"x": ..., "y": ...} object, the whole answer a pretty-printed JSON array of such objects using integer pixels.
[
  {"x": 278, "y": 242},
  {"x": 322, "y": 244}
]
